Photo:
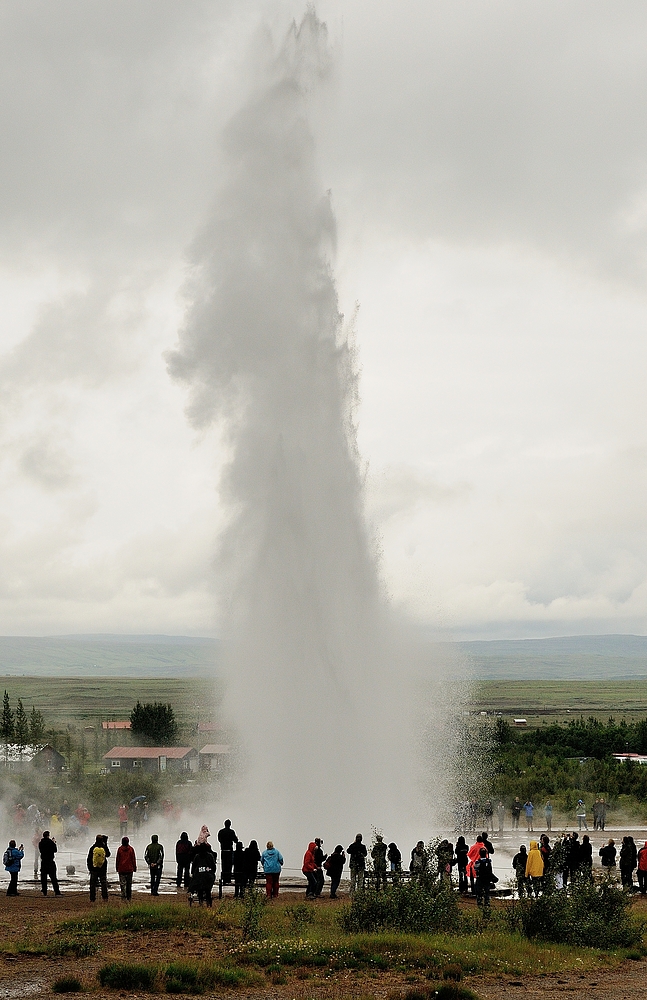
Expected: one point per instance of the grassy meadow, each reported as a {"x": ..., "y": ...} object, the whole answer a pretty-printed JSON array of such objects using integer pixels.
[{"x": 548, "y": 701}]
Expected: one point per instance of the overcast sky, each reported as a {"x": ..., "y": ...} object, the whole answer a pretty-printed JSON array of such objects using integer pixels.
[{"x": 488, "y": 168}]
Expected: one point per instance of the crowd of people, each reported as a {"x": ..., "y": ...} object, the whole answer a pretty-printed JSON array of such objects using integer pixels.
[{"x": 470, "y": 814}]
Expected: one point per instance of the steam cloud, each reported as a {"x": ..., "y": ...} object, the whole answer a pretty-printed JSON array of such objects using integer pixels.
[{"x": 314, "y": 680}]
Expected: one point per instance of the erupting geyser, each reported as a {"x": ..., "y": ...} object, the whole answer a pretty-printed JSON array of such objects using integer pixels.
[{"x": 315, "y": 686}]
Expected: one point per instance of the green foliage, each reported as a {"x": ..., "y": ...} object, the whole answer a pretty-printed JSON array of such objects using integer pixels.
[
  {"x": 6, "y": 720},
  {"x": 190, "y": 977},
  {"x": 149, "y": 917},
  {"x": 36, "y": 726},
  {"x": 127, "y": 976},
  {"x": 417, "y": 906},
  {"x": 300, "y": 915},
  {"x": 67, "y": 984},
  {"x": 21, "y": 726},
  {"x": 155, "y": 723},
  {"x": 588, "y": 915},
  {"x": 253, "y": 909}
]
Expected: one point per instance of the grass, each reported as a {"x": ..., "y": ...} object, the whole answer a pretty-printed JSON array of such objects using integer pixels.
[
  {"x": 142, "y": 917},
  {"x": 67, "y": 984},
  {"x": 550, "y": 701}
]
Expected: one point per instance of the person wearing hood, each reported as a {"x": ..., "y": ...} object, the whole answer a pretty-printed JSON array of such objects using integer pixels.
[
  {"x": 357, "y": 863},
  {"x": 483, "y": 874},
  {"x": 272, "y": 861},
  {"x": 252, "y": 857},
  {"x": 320, "y": 857},
  {"x": 519, "y": 862},
  {"x": 334, "y": 867},
  {"x": 580, "y": 815},
  {"x": 12, "y": 858},
  {"x": 309, "y": 868},
  {"x": 473, "y": 856},
  {"x": 642, "y": 869},
  {"x": 628, "y": 858},
  {"x": 378, "y": 856},
  {"x": 535, "y": 868},
  {"x": 203, "y": 873},
  {"x": 183, "y": 859},
  {"x": 608, "y": 855},
  {"x": 240, "y": 872},
  {"x": 461, "y": 863}
]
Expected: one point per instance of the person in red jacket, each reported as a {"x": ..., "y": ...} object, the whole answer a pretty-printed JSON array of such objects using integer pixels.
[
  {"x": 474, "y": 855},
  {"x": 126, "y": 864},
  {"x": 309, "y": 868},
  {"x": 642, "y": 869}
]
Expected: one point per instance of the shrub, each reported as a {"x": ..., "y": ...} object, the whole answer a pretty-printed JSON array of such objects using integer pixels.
[
  {"x": 189, "y": 977},
  {"x": 585, "y": 914},
  {"x": 127, "y": 976},
  {"x": 253, "y": 907},
  {"x": 67, "y": 984},
  {"x": 413, "y": 907},
  {"x": 300, "y": 915}
]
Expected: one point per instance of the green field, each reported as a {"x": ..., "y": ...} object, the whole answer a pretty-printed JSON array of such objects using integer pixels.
[
  {"x": 560, "y": 701},
  {"x": 81, "y": 701}
]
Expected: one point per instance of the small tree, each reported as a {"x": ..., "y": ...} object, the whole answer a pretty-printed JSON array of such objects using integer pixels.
[
  {"x": 154, "y": 723},
  {"x": 21, "y": 727},
  {"x": 36, "y": 726},
  {"x": 6, "y": 720}
]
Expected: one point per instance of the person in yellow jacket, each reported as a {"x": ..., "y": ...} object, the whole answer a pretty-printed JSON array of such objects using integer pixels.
[{"x": 535, "y": 868}]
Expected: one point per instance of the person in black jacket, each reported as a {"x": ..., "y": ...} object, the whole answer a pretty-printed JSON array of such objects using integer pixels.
[
  {"x": 461, "y": 863},
  {"x": 226, "y": 838},
  {"x": 357, "y": 860},
  {"x": 586, "y": 856},
  {"x": 183, "y": 859},
  {"x": 240, "y": 873},
  {"x": 334, "y": 867},
  {"x": 203, "y": 873},
  {"x": 519, "y": 862},
  {"x": 47, "y": 849},
  {"x": 608, "y": 855},
  {"x": 394, "y": 857},
  {"x": 483, "y": 871},
  {"x": 628, "y": 861},
  {"x": 98, "y": 874},
  {"x": 252, "y": 857}
]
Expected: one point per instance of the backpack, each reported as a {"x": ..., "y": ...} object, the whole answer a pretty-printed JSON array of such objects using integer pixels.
[
  {"x": 98, "y": 857},
  {"x": 6, "y": 857}
]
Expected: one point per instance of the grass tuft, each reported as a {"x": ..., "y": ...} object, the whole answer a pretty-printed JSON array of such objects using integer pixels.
[
  {"x": 128, "y": 976},
  {"x": 67, "y": 984}
]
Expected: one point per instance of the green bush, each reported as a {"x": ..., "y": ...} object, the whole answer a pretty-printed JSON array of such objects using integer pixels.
[
  {"x": 253, "y": 909},
  {"x": 300, "y": 915},
  {"x": 67, "y": 984},
  {"x": 413, "y": 907},
  {"x": 585, "y": 914},
  {"x": 127, "y": 976},
  {"x": 188, "y": 977}
]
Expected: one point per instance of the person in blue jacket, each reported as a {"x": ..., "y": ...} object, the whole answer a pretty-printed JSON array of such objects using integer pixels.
[
  {"x": 272, "y": 861},
  {"x": 12, "y": 858}
]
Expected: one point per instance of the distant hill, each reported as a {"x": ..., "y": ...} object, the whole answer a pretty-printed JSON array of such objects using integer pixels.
[
  {"x": 577, "y": 657},
  {"x": 573, "y": 657},
  {"x": 110, "y": 655}
]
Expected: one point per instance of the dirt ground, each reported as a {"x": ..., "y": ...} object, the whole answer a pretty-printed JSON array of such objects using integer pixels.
[{"x": 24, "y": 976}]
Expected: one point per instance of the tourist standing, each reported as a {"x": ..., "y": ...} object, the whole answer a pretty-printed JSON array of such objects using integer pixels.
[
  {"x": 309, "y": 868},
  {"x": 123, "y": 819},
  {"x": 519, "y": 864},
  {"x": 488, "y": 813},
  {"x": 529, "y": 810},
  {"x": 580, "y": 814},
  {"x": 608, "y": 855},
  {"x": 419, "y": 859},
  {"x": 334, "y": 867},
  {"x": 500, "y": 813},
  {"x": 461, "y": 863},
  {"x": 226, "y": 838},
  {"x": 357, "y": 862},
  {"x": 154, "y": 858},
  {"x": 97, "y": 863},
  {"x": 272, "y": 861},
  {"x": 628, "y": 861},
  {"x": 47, "y": 850},
  {"x": 515, "y": 812},
  {"x": 642, "y": 869},
  {"x": 252, "y": 857},
  {"x": 12, "y": 864},
  {"x": 378, "y": 856},
  {"x": 394, "y": 857},
  {"x": 183, "y": 860},
  {"x": 483, "y": 873},
  {"x": 534, "y": 868},
  {"x": 126, "y": 865},
  {"x": 320, "y": 857},
  {"x": 240, "y": 874},
  {"x": 203, "y": 873},
  {"x": 548, "y": 813}
]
